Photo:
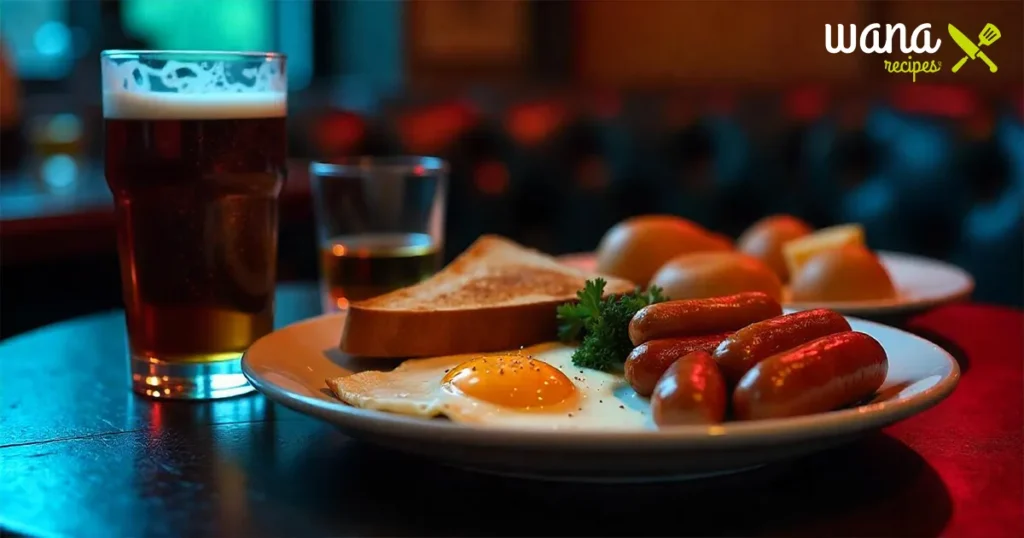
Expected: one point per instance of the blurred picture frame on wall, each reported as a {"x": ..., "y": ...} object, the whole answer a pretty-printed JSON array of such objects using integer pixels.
[{"x": 462, "y": 34}]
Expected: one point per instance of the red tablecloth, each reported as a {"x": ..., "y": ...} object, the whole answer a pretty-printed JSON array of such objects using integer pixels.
[{"x": 982, "y": 417}]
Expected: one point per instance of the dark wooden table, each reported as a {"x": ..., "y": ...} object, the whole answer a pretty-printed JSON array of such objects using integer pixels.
[{"x": 81, "y": 456}]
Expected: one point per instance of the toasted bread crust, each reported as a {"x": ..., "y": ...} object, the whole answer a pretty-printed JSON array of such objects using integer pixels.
[{"x": 496, "y": 296}]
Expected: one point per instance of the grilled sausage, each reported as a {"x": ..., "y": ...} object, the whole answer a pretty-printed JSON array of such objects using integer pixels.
[
  {"x": 648, "y": 361},
  {"x": 819, "y": 376},
  {"x": 758, "y": 341},
  {"x": 692, "y": 391},
  {"x": 701, "y": 316}
]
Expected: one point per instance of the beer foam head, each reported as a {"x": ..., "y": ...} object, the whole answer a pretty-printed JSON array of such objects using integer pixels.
[
  {"x": 193, "y": 106},
  {"x": 249, "y": 86}
]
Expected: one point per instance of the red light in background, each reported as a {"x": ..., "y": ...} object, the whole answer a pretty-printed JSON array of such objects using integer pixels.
[
  {"x": 806, "y": 103},
  {"x": 491, "y": 178},
  {"x": 339, "y": 133},
  {"x": 531, "y": 123},
  {"x": 946, "y": 101},
  {"x": 430, "y": 129}
]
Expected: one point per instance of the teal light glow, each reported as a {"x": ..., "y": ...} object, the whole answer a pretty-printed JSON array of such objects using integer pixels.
[{"x": 200, "y": 24}]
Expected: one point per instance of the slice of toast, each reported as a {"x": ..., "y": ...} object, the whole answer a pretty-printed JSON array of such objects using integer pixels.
[{"x": 496, "y": 296}]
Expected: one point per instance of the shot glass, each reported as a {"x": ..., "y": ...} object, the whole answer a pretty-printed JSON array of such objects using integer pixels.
[
  {"x": 195, "y": 151},
  {"x": 380, "y": 224}
]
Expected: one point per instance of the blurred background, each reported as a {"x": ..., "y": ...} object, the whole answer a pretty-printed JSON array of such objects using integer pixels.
[{"x": 558, "y": 119}]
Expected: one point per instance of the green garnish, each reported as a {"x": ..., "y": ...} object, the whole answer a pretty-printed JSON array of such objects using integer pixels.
[{"x": 601, "y": 325}]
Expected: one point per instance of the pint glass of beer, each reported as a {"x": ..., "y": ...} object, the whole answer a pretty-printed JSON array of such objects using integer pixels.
[{"x": 195, "y": 149}]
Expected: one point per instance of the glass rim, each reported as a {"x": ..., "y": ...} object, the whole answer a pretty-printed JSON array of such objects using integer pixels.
[
  {"x": 345, "y": 166},
  {"x": 195, "y": 55}
]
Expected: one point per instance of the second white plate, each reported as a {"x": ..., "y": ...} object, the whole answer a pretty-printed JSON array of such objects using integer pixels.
[{"x": 922, "y": 283}]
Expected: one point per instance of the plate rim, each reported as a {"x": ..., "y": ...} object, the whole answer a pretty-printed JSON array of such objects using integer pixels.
[
  {"x": 887, "y": 306},
  {"x": 731, "y": 435}
]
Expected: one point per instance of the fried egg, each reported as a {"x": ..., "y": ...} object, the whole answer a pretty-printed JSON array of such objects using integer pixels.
[{"x": 535, "y": 387}]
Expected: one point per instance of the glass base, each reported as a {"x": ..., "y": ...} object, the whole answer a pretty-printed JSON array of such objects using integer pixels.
[{"x": 188, "y": 380}]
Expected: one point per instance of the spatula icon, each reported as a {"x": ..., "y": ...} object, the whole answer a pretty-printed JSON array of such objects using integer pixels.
[{"x": 989, "y": 34}]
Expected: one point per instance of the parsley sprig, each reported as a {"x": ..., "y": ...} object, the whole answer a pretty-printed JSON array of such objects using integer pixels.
[{"x": 601, "y": 325}]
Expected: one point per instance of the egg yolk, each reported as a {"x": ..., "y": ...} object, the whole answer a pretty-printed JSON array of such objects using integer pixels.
[{"x": 510, "y": 381}]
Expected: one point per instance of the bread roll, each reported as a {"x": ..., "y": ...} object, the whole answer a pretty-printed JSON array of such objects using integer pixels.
[
  {"x": 714, "y": 274},
  {"x": 637, "y": 247},
  {"x": 765, "y": 238},
  {"x": 850, "y": 273}
]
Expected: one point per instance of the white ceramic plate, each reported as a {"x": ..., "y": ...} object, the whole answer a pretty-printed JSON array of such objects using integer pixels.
[
  {"x": 290, "y": 365},
  {"x": 921, "y": 283}
]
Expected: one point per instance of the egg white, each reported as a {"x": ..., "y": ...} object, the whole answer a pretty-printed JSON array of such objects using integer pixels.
[{"x": 414, "y": 388}]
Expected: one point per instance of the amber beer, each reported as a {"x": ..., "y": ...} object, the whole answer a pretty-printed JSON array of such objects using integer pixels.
[{"x": 195, "y": 180}]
